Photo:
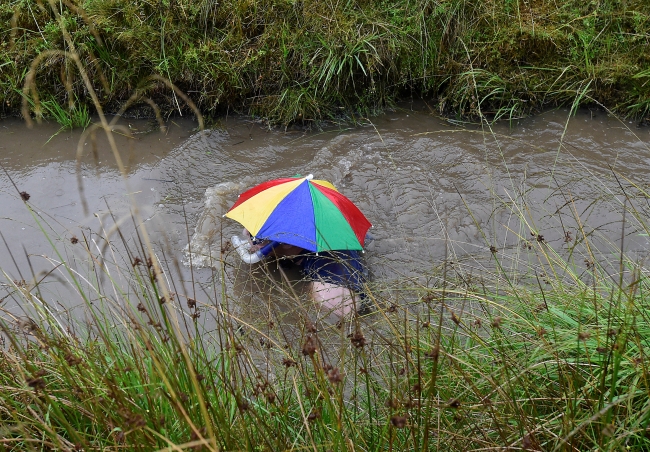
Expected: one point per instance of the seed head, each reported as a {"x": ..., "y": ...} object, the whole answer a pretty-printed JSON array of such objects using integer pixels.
[
  {"x": 36, "y": 382},
  {"x": 134, "y": 420},
  {"x": 242, "y": 404},
  {"x": 358, "y": 339},
  {"x": 496, "y": 322},
  {"x": 74, "y": 240},
  {"x": 411, "y": 403},
  {"x": 455, "y": 318},
  {"x": 315, "y": 414},
  {"x": 334, "y": 376},
  {"x": 434, "y": 353},
  {"x": 136, "y": 261},
  {"x": 392, "y": 403},
  {"x": 25, "y": 196},
  {"x": 72, "y": 360},
  {"x": 191, "y": 303},
  {"x": 288, "y": 362},
  {"x": 584, "y": 335},
  {"x": 398, "y": 421},
  {"x": 310, "y": 346},
  {"x": 119, "y": 436},
  {"x": 454, "y": 403},
  {"x": 225, "y": 247},
  {"x": 528, "y": 442}
]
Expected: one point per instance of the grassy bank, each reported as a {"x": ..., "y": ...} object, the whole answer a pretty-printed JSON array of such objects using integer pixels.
[{"x": 309, "y": 60}]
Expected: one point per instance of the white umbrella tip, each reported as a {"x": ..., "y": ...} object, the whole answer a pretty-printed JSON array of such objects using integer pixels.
[{"x": 309, "y": 177}]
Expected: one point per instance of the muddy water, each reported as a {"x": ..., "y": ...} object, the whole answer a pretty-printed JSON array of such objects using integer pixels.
[{"x": 435, "y": 191}]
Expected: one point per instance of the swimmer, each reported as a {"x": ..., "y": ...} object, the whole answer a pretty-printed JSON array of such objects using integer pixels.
[{"x": 336, "y": 277}]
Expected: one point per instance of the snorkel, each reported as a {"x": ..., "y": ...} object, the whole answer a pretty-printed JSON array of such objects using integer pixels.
[{"x": 243, "y": 248}]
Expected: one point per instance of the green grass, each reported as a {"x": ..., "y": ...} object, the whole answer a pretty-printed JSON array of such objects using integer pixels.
[
  {"x": 77, "y": 116},
  {"x": 555, "y": 364},
  {"x": 545, "y": 349},
  {"x": 302, "y": 61}
]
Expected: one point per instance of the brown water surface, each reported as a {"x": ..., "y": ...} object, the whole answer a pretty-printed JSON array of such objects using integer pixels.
[{"x": 434, "y": 191}]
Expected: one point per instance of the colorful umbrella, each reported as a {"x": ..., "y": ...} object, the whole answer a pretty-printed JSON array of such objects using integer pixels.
[{"x": 303, "y": 212}]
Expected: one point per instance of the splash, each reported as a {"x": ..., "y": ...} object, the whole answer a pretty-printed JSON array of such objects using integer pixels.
[
  {"x": 332, "y": 162},
  {"x": 204, "y": 248}
]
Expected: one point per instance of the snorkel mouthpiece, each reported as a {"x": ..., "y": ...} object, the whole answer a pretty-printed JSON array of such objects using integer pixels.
[{"x": 243, "y": 248}]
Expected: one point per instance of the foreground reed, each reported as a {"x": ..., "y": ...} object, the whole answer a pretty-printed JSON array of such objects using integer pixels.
[{"x": 553, "y": 362}]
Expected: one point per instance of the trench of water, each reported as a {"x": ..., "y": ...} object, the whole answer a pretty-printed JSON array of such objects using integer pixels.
[{"x": 435, "y": 191}]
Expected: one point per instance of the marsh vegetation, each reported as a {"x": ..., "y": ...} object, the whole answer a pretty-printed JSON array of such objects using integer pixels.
[
  {"x": 290, "y": 61},
  {"x": 548, "y": 354},
  {"x": 546, "y": 348}
]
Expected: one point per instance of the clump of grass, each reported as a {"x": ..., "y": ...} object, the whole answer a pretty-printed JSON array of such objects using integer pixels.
[
  {"x": 305, "y": 61},
  {"x": 76, "y": 117}
]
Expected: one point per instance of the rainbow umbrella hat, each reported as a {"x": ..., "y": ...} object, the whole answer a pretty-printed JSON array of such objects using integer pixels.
[{"x": 303, "y": 212}]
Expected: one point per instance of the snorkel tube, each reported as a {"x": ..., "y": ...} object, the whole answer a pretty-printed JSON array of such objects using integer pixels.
[{"x": 243, "y": 247}]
